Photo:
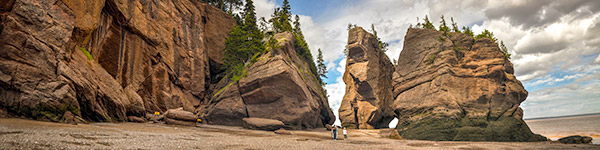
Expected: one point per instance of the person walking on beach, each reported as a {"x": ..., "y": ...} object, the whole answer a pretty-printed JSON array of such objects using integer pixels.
[
  {"x": 345, "y": 133},
  {"x": 334, "y": 132}
]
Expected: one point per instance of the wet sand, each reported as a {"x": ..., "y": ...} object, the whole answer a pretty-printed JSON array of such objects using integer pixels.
[{"x": 28, "y": 134}]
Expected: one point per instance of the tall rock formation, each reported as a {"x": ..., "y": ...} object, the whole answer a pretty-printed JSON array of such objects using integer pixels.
[
  {"x": 453, "y": 87},
  {"x": 107, "y": 59},
  {"x": 279, "y": 85},
  {"x": 368, "y": 98}
]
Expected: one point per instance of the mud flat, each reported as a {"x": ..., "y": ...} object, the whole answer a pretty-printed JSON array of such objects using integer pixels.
[
  {"x": 28, "y": 134},
  {"x": 555, "y": 128}
]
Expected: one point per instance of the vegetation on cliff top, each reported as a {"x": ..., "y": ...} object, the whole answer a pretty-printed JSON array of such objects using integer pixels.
[
  {"x": 226, "y": 5},
  {"x": 383, "y": 46},
  {"x": 245, "y": 41},
  {"x": 426, "y": 24}
]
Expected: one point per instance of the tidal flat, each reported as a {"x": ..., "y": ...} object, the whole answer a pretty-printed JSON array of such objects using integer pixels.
[{"x": 29, "y": 134}]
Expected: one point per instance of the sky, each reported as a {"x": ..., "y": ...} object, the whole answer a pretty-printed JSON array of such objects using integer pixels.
[{"x": 555, "y": 45}]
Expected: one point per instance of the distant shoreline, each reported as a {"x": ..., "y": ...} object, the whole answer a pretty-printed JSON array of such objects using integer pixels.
[{"x": 567, "y": 116}]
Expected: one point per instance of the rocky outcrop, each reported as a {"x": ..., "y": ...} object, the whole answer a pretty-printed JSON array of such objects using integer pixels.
[
  {"x": 576, "y": 139},
  {"x": 282, "y": 131},
  {"x": 279, "y": 85},
  {"x": 105, "y": 60},
  {"x": 262, "y": 124},
  {"x": 69, "y": 118},
  {"x": 453, "y": 87},
  {"x": 368, "y": 98},
  {"x": 135, "y": 119},
  {"x": 179, "y": 116}
]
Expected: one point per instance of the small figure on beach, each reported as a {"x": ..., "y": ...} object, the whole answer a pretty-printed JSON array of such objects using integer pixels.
[
  {"x": 334, "y": 132},
  {"x": 345, "y": 133}
]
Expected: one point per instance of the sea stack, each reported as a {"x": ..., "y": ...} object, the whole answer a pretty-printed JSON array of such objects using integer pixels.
[
  {"x": 450, "y": 86},
  {"x": 368, "y": 98},
  {"x": 279, "y": 85}
]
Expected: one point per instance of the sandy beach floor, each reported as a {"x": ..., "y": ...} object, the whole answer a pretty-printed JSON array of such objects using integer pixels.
[{"x": 28, "y": 134}]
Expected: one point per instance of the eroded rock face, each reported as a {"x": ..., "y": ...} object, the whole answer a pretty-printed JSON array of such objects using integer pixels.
[
  {"x": 368, "y": 99},
  {"x": 144, "y": 56},
  {"x": 278, "y": 86},
  {"x": 456, "y": 88}
]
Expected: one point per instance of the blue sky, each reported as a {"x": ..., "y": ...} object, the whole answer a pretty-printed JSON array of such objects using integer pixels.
[{"x": 555, "y": 44}]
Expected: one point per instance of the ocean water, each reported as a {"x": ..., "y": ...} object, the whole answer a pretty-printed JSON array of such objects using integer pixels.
[{"x": 556, "y": 128}]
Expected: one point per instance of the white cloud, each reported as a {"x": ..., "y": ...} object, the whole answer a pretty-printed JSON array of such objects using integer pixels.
[
  {"x": 336, "y": 91},
  {"x": 561, "y": 101},
  {"x": 549, "y": 80},
  {"x": 264, "y": 8},
  {"x": 538, "y": 49},
  {"x": 336, "y": 94}
]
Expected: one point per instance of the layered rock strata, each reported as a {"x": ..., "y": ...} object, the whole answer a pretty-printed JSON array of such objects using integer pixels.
[
  {"x": 279, "y": 85},
  {"x": 368, "y": 99},
  {"x": 108, "y": 59},
  {"x": 453, "y": 87}
]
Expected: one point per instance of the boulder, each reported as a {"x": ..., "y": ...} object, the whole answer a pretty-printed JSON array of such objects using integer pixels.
[
  {"x": 262, "y": 124},
  {"x": 180, "y": 114},
  {"x": 279, "y": 85},
  {"x": 453, "y": 87},
  {"x": 135, "y": 119},
  {"x": 69, "y": 118},
  {"x": 576, "y": 139},
  {"x": 283, "y": 131},
  {"x": 179, "y": 122},
  {"x": 368, "y": 98},
  {"x": 154, "y": 118}
]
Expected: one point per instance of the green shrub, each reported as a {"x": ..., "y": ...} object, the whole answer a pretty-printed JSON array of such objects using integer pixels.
[
  {"x": 488, "y": 34},
  {"x": 431, "y": 58},
  {"x": 441, "y": 38},
  {"x": 89, "y": 56}
]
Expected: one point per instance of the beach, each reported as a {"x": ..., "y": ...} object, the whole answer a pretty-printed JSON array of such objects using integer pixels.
[{"x": 29, "y": 134}]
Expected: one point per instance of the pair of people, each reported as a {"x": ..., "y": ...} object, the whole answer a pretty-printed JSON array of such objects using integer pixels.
[{"x": 334, "y": 132}]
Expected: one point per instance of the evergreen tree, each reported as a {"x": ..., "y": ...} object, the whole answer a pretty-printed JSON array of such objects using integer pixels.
[
  {"x": 282, "y": 17},
  {"x": 454, "y": 26},
  {"x": 262, "y": 25},
  {"x": 244, "y": 42},
  {"x": 443, "y": 26},
  {"x": 275, "y": 20},
  {"x": 467, "y": 31},
  {"x": 504, "y": 50},
  {"x": 488, "y": 34},
  {"x": 234, "y": 4},
  {"x": 382, "y": 45},
  {"x": 427, "y": 24},
  {"x": 322, "y": 69},
  {"x": 253, "y": 34},
  {"x": 226, "y": 5},
  {"x": 296, "y": 28}
]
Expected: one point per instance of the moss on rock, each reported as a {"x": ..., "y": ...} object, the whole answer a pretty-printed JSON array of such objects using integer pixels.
[{"x": 469, "y": 129}]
